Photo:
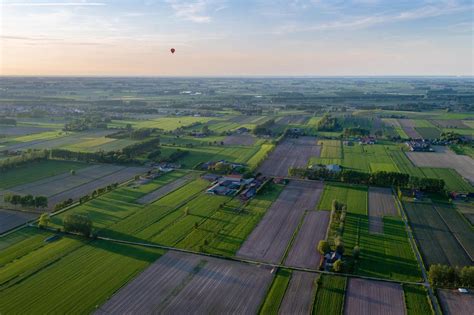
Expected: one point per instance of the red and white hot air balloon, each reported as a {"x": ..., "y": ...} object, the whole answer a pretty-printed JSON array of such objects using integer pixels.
[{"x": 172, "y": 50}]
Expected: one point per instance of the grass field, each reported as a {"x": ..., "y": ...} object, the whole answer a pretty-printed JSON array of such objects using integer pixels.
[
  {"x": 463, "y": 150},
  {"x": 387, "y": 255},
  {"x": 436, "y": 242},
  {"x": 48, "y": 274},
  {"x": 276, "y": 293},
  {"x": 355, "y": 197},
  {"x": 169, "y": 123},
  {"x": 36, "y": 171},
  {"x": 197, "y": 155},
  {"x": 330, "y": 295},
  {"x": 428, "y": 132},
  {"x": 416, "y": 300},
  {"x": 453, "y": 181}
]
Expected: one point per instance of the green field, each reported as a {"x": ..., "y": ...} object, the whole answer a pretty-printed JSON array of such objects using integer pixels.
[
  {"x": 354, "y": 196},
  {"x": 388, "y": 255},
  {"x": 276, "y": 293},
  {"x": 169, "y": 123},
  {"x": 330, "y": 295},
  {"x": 36, "y": 171},
  {"x": 197, "y": 155},
  {"x": 436, "y": 242},
  {"x": 62, "y": 276},
  {"x": 428, "y": 132},
  {"x": 416, "y": 300}
]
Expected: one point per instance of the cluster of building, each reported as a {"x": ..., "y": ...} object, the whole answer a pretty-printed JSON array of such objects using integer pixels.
[
  {"x": 230, "y": 185},
  {"x": 419, "y": 146}
]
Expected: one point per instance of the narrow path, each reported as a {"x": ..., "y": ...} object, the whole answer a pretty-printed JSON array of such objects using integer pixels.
[
  {"x": 252, "y": 262},
  {"x": 414, "y": 247}
]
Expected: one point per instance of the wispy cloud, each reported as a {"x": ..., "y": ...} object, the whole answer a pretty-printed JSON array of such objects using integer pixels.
[
  {"x": 428, "y": 11},
  {"x": 195, "y": 11},
  {"x": 53, "y": 4}
]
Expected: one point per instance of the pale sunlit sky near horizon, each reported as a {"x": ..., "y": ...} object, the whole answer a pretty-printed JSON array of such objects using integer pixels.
[{"x": 236, "y": 37}]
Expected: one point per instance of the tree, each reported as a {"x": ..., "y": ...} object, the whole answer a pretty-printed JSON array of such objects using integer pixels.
[
  {"x": 205, "y": 129},
  {"x": 44, "y": 220},
  {"x": 73, "y": 172},
  {"x": 339, "y": 245},
  {"x": 338, "y": 265},
  {"x": 8, "y": 198},
  {"x": 323, "y": 247},
  {"x": 78, "y": 223},
  {"x": 222, "y": 167},
  {"x": 41, "y": 202},
  {"x": 356, "y": 252}
]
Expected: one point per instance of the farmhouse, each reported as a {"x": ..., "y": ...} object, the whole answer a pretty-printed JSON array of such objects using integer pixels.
[
  {"x": 228, "y": 185},
  {"x": 419, "y": 146},
  {"x": 367, "y": 140},
  {"x": 333, "y": 168}
]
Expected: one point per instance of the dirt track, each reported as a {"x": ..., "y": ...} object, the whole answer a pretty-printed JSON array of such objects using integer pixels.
[
  {"x": 162, "y": 191},
  {"x": 290, "y": 153},
  {"x": 299, "y": 295},
  {"x": 455, "y": 303},
  {"x": 373, "y": 297},
  {"x": 381, "y": 203},
  {"x": 181, "y": 283},
  {"x": 269, "y": 240},
  {"x": 303, "y": 253}
]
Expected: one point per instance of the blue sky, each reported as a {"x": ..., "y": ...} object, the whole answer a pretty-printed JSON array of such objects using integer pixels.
[{"x": 224, "y": 37}]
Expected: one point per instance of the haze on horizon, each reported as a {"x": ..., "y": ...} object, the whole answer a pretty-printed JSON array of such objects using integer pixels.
[{"x": 236, "y": 37}]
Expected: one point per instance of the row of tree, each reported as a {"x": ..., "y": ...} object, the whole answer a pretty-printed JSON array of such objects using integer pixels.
[
  {"x": 125, "y": 155},
  {"x": 355, "y": 132},
  {"x": 381, "y": 178},
  {"x": 24, "y": 158},
  {"x": 328, "y": 123},
  {"x": 26, "y": 200},
  {"x": 451, "y": 277},
  {"x": 264, "y": 128}
]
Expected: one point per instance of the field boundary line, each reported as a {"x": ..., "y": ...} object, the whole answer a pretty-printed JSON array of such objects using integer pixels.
[
  {"x": 250, "y": 261},
  {"x": 293, "y": 237}
]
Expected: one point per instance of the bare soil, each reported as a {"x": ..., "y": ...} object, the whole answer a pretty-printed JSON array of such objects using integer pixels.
[
  {"x": 444, "y": 157},
  {"x": 288, "y": 154},
  {"x": 408, "y": 126},
  {"x": 269, "y": 240},
  {"x": 179, "y": 283},
  {"x": 64, "y": 186},
  {"x": 299, "y": 295},
  {"x": 303, "y": 252},
  {"x": 10, "y": 219},
  {"x": 456, "y": 303},
  {"x": 373, "y": 297},
  {"x": 244, "y": 139}
]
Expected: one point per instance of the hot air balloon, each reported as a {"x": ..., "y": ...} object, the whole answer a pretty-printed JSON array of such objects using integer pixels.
[{"x": 172, "y": 50}]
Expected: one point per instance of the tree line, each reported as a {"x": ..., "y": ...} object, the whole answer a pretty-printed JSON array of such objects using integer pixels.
[
  {"x": 451, "y": 277},
  {"x": 26, "y": 200},
  {"x": 125, "y": 155},
  {"x": 381, "y": 178},
  {"x": 24, "y": 158},
  {"x": 328, "y": 123}
]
